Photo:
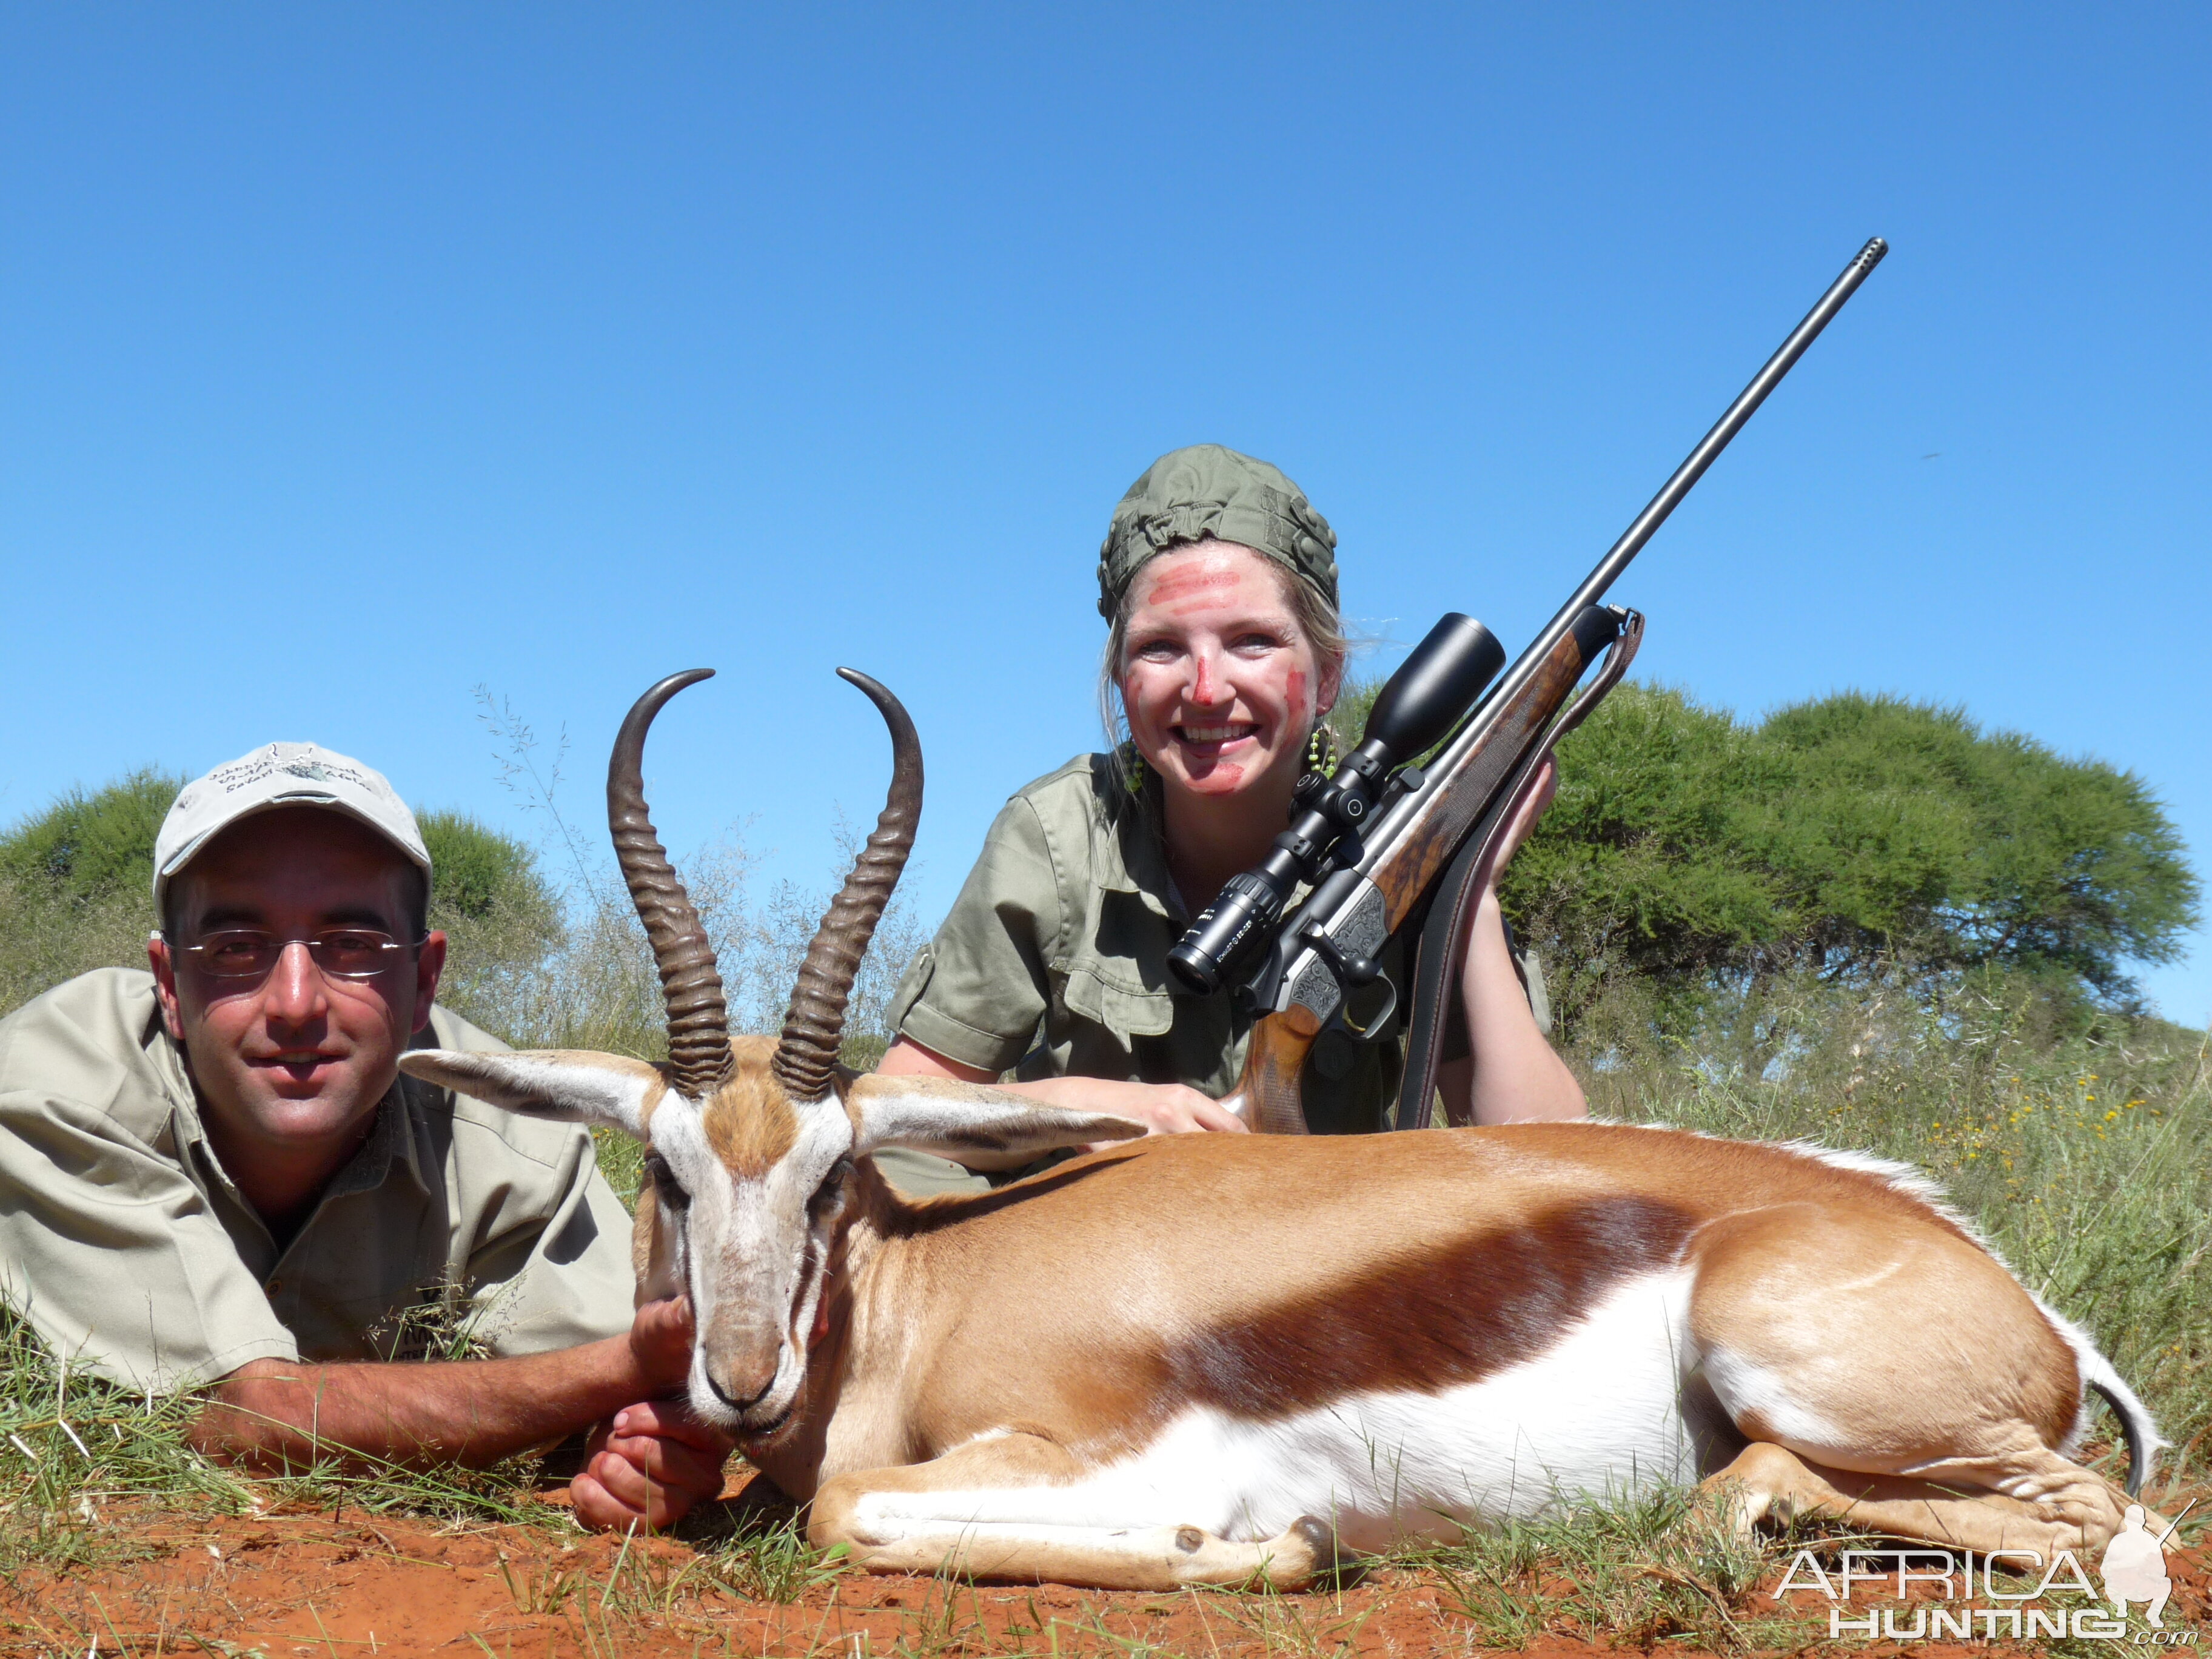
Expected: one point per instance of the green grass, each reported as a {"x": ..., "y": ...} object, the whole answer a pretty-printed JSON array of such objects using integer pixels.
[
  {"x": 766, "y": 1557},
  {"x": 70, "y": 1445},
  {"x": 46, "y": 936},
  {"x": 1638, "y": 1571}
]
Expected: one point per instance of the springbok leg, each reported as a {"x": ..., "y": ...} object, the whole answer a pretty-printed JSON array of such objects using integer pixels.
[
  {"x": 1015, "y": 1507},
  {"x": 1768, "y": 1479},
  {"x": 1798, "y": 1317}
]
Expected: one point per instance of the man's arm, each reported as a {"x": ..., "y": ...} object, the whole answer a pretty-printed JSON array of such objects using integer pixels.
[{"x": 274, "y": 1415}]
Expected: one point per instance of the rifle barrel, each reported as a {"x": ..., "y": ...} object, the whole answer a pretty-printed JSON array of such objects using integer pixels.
[{"x": 1671, "y": 493}]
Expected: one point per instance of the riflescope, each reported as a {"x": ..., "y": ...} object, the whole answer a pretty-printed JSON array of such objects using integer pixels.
[{"x": 1417, "y": 708}]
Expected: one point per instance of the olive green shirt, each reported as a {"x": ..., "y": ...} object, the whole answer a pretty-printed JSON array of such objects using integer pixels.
[
  {"x": 1052, "y": 962},
  {"x": 132, "y": 1252}
]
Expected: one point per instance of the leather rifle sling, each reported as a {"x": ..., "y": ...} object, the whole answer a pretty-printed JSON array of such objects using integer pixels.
[{"x": 1440, "y": 952}]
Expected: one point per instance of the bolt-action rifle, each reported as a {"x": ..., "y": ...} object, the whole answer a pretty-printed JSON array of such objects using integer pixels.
[{"x": 1390, "y": 846}]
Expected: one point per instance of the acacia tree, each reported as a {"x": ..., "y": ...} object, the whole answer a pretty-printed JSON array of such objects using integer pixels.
[{"x": 1845, "y": 835}]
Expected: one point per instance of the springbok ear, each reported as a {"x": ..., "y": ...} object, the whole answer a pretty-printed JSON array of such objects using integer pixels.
[
  {"x": 567, "y": 1083},
  {"x": 960, "y": 1121}
]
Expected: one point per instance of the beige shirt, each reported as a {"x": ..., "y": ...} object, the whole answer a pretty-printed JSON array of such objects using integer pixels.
[
  {"x": 132, "y": 1252},
  {"x": 1052, "y": 962}
]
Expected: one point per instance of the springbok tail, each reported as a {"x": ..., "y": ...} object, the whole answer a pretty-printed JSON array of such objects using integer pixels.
[
  {"x": 2135, "y": 1425},
  {"x": 2098, "y": 1376}
]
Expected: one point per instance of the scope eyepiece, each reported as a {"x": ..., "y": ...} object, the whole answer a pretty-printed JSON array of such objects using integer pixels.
[{"x": 1245, "y": 912}]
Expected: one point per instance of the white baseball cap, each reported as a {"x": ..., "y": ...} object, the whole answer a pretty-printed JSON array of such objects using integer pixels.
[{"x": 281, "y": 774}]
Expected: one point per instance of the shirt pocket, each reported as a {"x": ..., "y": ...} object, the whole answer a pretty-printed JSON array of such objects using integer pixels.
[{"x": 1095, "y": 994}]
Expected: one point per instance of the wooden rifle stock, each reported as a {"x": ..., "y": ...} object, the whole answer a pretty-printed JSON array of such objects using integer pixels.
[
  {"x": 1267, "y": 1096},
  {"x": 1442, "y": 923}
]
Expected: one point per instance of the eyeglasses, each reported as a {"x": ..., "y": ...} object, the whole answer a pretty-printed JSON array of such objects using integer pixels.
[{"x": 340, "y": 953}]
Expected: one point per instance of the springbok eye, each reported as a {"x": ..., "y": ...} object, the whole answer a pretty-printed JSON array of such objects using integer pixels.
[
  {"x": 664, "y": 1182},
  {"x": 832, "y": 1188}
]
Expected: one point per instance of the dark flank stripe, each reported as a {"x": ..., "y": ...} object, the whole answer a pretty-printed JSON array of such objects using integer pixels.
[{"x": 1429, "y": 1320}]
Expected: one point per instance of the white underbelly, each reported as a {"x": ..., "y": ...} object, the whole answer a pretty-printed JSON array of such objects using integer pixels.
[{"x": 1599, "y": 1414}]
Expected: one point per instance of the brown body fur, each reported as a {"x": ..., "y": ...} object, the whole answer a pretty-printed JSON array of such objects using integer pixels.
[{"x": 1428, "y": 1260}]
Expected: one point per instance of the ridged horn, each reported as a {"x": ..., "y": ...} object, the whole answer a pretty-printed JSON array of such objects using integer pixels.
[
  {"x": 698, "y": 1014},
  {"x": 806, "y": 1054}
]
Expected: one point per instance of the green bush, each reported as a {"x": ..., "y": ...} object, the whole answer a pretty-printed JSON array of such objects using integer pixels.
[
  {"x": 477, "y": 872},
  {"x": 1691, "y": 858},
  {"x": 45, "y": 939},
  {"x": 76, "y": 885},
  {"x": 87, "y": 847}
]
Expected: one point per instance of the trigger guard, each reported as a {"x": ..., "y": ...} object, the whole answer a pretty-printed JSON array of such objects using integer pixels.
[{"x": 1372, "y": 1032}]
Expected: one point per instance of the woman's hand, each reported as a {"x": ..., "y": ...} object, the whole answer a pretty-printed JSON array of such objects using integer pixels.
[
  {"x": 1164, "y": 1109},
  {"x": 1536, "y": 795},
  {"x": 1515, "y": 1075}
]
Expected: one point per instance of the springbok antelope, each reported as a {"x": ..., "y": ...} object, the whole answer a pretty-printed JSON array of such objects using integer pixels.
[{"x": 1200, "y": 1358}]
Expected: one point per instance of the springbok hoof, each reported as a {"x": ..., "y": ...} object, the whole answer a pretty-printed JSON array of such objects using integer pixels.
[
  {"x": 1306, "y": 1552},
  {"x": 1321, "y": 1538}
]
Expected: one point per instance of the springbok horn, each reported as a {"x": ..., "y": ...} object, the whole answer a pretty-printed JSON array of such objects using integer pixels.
[
  {"x": 698, "y": 1015},
  {"x": 806, "y": 1054}
]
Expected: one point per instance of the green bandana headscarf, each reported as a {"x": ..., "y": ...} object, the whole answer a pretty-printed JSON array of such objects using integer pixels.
[{"x": 1188, "y": 494}]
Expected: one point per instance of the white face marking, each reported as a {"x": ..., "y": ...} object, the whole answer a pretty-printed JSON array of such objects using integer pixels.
[
  {"x": 1601, "y": 1413},
  {"x": 754, "y": 1251}
]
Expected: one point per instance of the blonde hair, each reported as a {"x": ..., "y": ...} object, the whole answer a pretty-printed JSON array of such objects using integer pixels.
[{"x": 1315, "y": 615}]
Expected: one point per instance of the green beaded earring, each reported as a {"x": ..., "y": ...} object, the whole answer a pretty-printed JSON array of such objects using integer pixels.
[
  {"x": 1133, "y": 769},
  {"x": 1321, "y": 750}
]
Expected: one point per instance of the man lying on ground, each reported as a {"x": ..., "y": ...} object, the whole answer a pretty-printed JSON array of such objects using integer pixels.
[{"x": 213, "y": 1174}]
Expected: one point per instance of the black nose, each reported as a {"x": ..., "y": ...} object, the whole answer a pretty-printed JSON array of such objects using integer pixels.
[{"x": 734, "y": 1401}]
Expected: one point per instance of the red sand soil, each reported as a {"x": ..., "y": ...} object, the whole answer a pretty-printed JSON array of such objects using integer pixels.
[{"x": 297, "y": 1584}]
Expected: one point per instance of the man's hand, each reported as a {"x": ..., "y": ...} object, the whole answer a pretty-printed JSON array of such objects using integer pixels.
[
  {"x": 276, "y": 1415},
  {"x": 649, "y": 1465},
  {"x": 660, "y": 1338},
  {"x": 652, "y": 1462}
]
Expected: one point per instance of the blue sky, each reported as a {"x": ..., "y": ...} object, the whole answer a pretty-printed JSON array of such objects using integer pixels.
[{"x": 357, "y": 358}]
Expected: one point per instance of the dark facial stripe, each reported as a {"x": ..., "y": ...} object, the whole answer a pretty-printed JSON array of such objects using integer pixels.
[{"x": 1430, "y": 1319}]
